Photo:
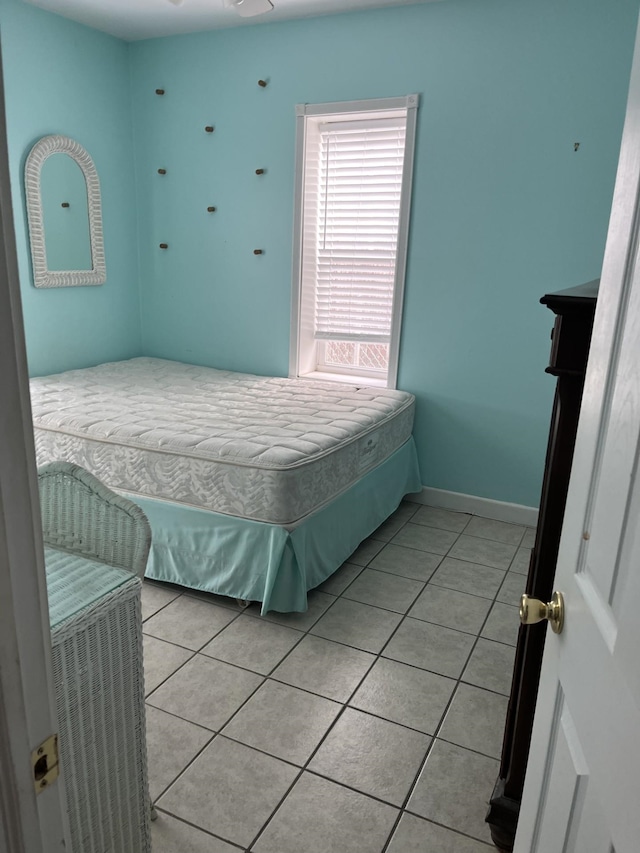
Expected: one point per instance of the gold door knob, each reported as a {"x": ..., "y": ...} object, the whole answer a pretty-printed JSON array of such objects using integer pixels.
[{"x": 533, "y": 610}]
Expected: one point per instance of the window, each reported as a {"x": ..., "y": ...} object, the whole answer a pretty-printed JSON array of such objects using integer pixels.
[{"x": 353, "y": 187}]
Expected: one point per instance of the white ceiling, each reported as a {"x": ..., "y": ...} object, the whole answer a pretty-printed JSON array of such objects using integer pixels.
[{"x": 140, "y": 19}]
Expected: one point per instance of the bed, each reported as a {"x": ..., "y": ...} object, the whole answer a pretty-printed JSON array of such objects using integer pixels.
[{"x": 255, "y": 487}]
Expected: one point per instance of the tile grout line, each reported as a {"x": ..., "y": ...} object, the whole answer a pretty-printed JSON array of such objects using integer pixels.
[
  {"x": 184, "y": 663},
  {"x": 435, "y": 737},
  {"x": 438, "y": 730},
  {"x": 270, "y": 674},
  {"x": 162, "y": 606},
  {"x": 218, "y": 733},
  {"x": 201, "y": 829},
  {"x": 346, "y": 705},
  {"x": 376, "y": 657},
  {"x": 198, "y": 753},
  {"x": 379, "y": 657},
  {"x": 340, "y": 715},
  {"x": 407, "y": 614},
  {"x": 443, "y": 717},
  {"x": 304, "y": 768}
]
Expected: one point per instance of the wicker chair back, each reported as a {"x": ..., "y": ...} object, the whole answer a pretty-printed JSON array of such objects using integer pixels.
[{"x": 81, "y": 515}]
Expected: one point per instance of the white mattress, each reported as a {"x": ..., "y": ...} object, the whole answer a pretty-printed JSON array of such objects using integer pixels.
[{"x": 262, "y": 448}]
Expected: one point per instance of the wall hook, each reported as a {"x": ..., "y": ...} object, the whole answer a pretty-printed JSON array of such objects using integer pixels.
[
  {"x": 211, "y": 210},
  {"x": 162, "y": 171},
  {"x": 159, "y": 91},
  {"x": 258, "y": 252},
  {"x": 260, "y": 171},
  {"x": 65, "y": 204},
  {"x": 576, "y": 145},
  {"x": 164, "y": 245},
  {"x": 263, "y": 83},
  {"x": 209, "y": 128}
]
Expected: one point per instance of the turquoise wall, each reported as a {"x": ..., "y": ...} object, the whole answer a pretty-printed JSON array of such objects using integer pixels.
[
  {"x": 61, "y": 77},
  {"x": 503, "y": 208},
  {"x": 66, "y": 229}
]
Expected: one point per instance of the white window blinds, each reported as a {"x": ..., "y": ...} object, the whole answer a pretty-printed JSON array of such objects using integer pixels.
[{"x": 352, "y": 210}]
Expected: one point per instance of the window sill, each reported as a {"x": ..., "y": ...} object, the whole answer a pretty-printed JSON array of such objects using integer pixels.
[{"x": 349, "y": 378}]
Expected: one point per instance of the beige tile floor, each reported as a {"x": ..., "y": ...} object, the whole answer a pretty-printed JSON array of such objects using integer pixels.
[{"x": 372, "y": 723}]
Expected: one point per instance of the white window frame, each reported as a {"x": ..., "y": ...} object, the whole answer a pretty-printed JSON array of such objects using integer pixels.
[{"x": 302, "y": 360}]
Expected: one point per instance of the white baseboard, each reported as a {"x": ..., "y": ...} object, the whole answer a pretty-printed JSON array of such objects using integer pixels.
[{"x": 486, "y": 507}]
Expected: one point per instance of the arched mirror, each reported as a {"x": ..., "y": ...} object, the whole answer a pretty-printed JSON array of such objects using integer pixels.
[{"x": 65, "y": 214}]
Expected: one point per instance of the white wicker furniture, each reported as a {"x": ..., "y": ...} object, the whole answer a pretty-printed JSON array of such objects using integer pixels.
[
  {"x": 94, "y": 607},
  {"x": 81, "y": 515},
  {"x": 42, "y": 275}
]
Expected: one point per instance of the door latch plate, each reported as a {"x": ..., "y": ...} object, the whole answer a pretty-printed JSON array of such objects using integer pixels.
[{"x": 44, "y": 763}]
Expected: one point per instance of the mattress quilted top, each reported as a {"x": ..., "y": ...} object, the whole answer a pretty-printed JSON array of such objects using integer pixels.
[{"x": 184, "y": 409}]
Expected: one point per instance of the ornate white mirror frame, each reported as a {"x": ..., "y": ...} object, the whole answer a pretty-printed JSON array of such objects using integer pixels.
[{"x": 42, "y": 276}]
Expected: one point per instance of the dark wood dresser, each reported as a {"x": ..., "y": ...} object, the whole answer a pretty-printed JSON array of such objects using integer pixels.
[{"x": 570, "y": 338}]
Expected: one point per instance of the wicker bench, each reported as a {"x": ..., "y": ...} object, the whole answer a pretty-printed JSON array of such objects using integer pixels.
[{"x": 96, "y": 547}]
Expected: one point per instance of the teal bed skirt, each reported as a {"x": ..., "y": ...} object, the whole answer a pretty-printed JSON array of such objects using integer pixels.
[{"x": 262, "y": 562}]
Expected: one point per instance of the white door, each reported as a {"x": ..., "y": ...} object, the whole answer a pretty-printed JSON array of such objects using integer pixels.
[
  {"x": 28, "y": 824},
  {"x": 582, "y": 791}
]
